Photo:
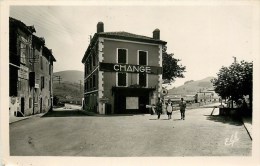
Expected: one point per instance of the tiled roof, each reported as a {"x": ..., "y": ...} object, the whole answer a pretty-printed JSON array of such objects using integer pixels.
[
  {"x": 130, "y": 36},
  {"x": 122, "y": 36},
  {"x": 126, "y": 34}
]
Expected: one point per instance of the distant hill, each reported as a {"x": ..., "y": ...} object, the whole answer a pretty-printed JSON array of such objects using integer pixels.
[
  {"x": 69, "y": 88},
  {"x": 72, "y": 76},
  {"x": 192, "y": 87}
]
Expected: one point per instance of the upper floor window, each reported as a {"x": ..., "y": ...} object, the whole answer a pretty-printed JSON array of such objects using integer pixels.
[
  {"x": 94, "y": 59},
  {"x": 121, "y": 55},
  {"x": 23, "y": 52},
  {"x": 142, "y": 57}
]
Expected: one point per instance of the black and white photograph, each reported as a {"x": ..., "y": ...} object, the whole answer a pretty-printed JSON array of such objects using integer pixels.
[{"x": 130, "y": 83}]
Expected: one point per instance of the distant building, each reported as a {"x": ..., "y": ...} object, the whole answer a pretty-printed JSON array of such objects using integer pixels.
[
  {"x": 123, "y": 71},
  {"x": 207, "y": 96},
  {"x": 30, "y": 71}
]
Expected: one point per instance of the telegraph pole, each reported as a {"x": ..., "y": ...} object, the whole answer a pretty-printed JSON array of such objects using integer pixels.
[
  {"x": 235, "y": 59},
  {"x": 58, "y": 78}
]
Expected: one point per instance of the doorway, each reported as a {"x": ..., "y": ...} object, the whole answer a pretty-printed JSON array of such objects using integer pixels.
[{"x": 22, "y": 105}]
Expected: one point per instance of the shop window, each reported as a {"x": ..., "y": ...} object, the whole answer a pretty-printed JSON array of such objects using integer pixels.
[
  {"x": 122, "y": 79},
  {"x": 142, "y": 58},
  {"x": 122, "y": 55},
  {"x": 142, "y": 79}
]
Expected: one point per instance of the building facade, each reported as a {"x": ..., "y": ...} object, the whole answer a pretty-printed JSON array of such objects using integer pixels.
[
  {"x": 30, "y": 71},
  {"x": 123, "y": 71}
]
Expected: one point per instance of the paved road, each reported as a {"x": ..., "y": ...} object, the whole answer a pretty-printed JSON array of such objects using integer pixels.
[{"x": 71, "y": 133}]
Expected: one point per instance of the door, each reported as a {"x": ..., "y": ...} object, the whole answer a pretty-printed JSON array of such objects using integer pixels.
[
  {"x": 41, "y": 105},
  {"x": 22, "y": 105},
  {"x": 143, "y": 101}
]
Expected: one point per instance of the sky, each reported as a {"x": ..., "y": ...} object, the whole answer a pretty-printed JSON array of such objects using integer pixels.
[{"x": 203, "y": 37}]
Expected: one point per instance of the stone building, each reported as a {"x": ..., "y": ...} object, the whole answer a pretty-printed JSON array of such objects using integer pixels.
[
  {"x": 123, "y": 71},
  {"x": 30, "y": 71}
]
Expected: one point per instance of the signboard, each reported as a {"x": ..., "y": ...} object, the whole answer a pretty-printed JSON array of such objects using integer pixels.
[
  {"x": 129, "y": 68},
  {"x": 164, "y": 92},
  {"x": 36, "y": 86},
  {"x": 132, "y": 103},
  {"x": 104, "y": 100},
  {"x": 23, "y": 72}
]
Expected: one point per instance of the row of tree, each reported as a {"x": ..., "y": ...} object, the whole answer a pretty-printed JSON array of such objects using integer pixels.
[
  {"x": 235, "y": 82},
  {"x": 232, "y": 82}
]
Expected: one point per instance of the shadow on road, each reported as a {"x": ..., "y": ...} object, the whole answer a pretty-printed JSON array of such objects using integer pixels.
[
  {"x": 65, "y": 113},
  {"x": 225, "y": 119}
]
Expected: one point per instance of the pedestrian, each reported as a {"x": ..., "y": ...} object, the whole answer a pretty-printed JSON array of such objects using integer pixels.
[
  {"x": 182, "y": 108},
  {"x": 159, "y": 107},
  {"x": 169, "y": 109}
]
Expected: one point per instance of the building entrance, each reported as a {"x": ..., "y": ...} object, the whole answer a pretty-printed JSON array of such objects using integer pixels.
[
  {"x": 22, "y": 105},
  {"x": 131, "y": 100}
]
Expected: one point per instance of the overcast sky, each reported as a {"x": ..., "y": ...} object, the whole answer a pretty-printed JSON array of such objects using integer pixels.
[{"x": 203, "y": 37}]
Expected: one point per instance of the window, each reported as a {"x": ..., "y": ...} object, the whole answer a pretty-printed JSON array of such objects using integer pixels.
[
  {"x": 122, "y": 55},
  {"x": 90, "y": 63},
  {"x": 30, "y": 102},
  {"x": 122, "y": 78},
  {"x": 94, "y": 81},
  {"x": 142, "y": 79},
  {"x": 23, "y": 50},
  {"x": 41, "y": 61},
  {"x": 19, "y": 84},
  {"x": 87, "y": 66},
  {"x": 94, "y": 59},
  {"x": 121, "y": 58},
  {"x": 142, "y": 58},
  {"x": 42, "y": 82},
  {"x": 90, "y": 82}
]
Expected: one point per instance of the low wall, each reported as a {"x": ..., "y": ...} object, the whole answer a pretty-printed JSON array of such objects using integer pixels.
[{"x": 72, "y": 106}]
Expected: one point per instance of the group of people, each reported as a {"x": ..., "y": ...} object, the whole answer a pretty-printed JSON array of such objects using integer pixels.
[{"x": 169, "y": 108}]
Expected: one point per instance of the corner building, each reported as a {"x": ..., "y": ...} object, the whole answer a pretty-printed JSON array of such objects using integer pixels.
[{"x": 123, "y": 72}]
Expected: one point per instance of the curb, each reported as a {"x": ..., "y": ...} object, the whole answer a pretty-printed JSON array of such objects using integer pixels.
[
  {"x": 247, "y": 130},
  {"x": 18, "y": 120}
]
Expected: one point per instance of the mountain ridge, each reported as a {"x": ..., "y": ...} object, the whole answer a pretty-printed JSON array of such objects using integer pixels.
[{"x": 193, "y": 87}]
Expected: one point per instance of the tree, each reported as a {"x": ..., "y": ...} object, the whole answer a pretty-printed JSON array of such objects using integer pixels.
[
  {"x": 171, "y": 69},
  {"x": 235, "y": 81}
]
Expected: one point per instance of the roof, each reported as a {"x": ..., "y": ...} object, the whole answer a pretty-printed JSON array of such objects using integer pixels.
[
  {"x": 28, "y": 29},
  {"x": 48, "y": 52},
  {"x": 123, "y": 36}
]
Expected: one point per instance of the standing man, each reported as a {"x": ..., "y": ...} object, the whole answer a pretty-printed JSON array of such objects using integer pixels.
[
  {"x": 159, "y": 108},
  {"x": 182, "y": 108}
]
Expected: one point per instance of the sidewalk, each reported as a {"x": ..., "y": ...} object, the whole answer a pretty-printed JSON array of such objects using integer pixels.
[{"x": 13, "y": 119}]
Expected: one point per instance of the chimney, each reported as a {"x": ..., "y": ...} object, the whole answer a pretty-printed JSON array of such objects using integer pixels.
[
  {"x": 100, "y": 27},
  {"x": 156, "y": 34}
]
